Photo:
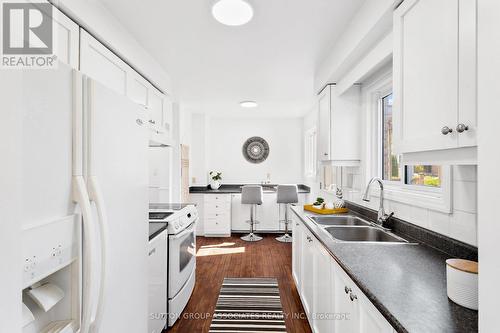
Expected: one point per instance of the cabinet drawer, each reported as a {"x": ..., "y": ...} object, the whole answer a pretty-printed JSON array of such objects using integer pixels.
[
  {"x": 219, "y": 207},
  {"x": 223, "y": 215},
  {"x": 217, "y": 198},
  {"x": 217, "y": 225}
]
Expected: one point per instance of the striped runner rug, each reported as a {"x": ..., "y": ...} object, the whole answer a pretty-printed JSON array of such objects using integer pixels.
[{"x": 248, "y": 306}]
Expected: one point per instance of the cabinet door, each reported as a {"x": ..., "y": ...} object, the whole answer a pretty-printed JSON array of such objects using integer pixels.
[
  {"x": 425, "y": 74},
  {"x": 155, "y": 108},
  {"x": 467, "y": 44},
  {"x": 296, "y": 250},
  {"x": 100, "y": 63},
  {"x": 167, "y": 115},
  {"x": 307, "y": 265},
  {"x": 324, "y": 104},
  {"x": 239, "y": 214},
  {"x": 324, "y": 285},
  {"x": 347, "y": 309},
  {"x": 137, "y": 89},
  {"x": 268, "y": 213},
  {"x": 67, "y": 33},
  {"x": 370, "y": 319}
]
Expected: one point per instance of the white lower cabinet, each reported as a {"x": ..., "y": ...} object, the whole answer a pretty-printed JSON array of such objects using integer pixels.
[
  {"x": 217, "y": 215},
  {"x": 331, "y": 300},
  {"x": 307, "y": 264},
  {"x": 296, "y": 250},
  {"x": 324, "y": 287}
]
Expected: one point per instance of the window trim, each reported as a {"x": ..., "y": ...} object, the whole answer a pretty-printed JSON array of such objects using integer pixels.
[{"x": 439, "y": 199}]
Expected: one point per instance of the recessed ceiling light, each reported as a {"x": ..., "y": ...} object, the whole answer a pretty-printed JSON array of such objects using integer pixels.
[
  {"x": 232, "y": 12},
  {"x": 248, "y": 104}
]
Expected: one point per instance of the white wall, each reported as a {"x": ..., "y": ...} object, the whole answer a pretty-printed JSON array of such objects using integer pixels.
[
  {"x": 489, "y": 160},
  {"x": 224, "y": 140}
]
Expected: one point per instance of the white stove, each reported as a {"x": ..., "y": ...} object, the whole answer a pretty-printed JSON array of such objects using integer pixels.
[
  {"x": 181, "y": 228},
  {"x": 177, "y": 216}
]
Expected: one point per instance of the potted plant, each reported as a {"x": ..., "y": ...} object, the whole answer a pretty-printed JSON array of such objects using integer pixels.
[
  {"x": 215, "y": 178},
  {"x": 319, "y": 203}
]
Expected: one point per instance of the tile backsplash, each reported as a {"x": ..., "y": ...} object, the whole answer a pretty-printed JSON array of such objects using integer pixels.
[{"x": 460, "y": 224}]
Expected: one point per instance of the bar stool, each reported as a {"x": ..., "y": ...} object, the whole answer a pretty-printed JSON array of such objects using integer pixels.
[
  {"x": 287, "y": 194},
  {"x": 251, "y": 195}
]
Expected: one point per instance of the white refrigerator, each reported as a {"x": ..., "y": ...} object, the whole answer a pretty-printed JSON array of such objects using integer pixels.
[{"x": 81, "y": 203}]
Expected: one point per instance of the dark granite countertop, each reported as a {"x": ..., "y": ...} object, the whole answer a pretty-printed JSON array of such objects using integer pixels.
[
  {"x": 405, "y": 282},
  {"x": 156, "y": 228},
  {"x": 236, "y": 188}
]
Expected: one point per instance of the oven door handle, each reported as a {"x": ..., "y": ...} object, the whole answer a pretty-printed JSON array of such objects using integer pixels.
[{"x": 186, "y": 231}]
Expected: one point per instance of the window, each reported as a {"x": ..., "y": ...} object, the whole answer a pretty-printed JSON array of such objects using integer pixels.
[
  {"x": 392, "y": 170},
  {"x": 391, "y": 163},
  {"x": 310, "y": 153}
]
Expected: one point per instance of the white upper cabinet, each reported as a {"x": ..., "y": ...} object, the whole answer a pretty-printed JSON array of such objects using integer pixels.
[
  {"x": 434, "y": 75},
  {"x": 67, "y": 34},
  {"x": 137, "y": 89},
  {"x": 97, "y": 61},
  {"x": 338, "y": 126},
  {"x": 100, "y": 63}
]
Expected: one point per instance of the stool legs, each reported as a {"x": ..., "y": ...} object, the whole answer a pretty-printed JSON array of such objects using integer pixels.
[
  {"x": 251, "y": 237},
  {"x": 286, "y": 238}
]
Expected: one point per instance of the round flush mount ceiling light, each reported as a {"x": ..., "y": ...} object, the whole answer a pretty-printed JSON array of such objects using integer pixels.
[
  {"x": 248, "y": 104},
  {"x": 232, "y": 12}
]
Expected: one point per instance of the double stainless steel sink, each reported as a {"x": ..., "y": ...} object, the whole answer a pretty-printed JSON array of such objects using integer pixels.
[{"x": 351, "y": 228}]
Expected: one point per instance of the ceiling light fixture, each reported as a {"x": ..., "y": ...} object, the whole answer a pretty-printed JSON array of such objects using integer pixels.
[
  {"x": 249, "y": 104},
  {"x": 232, "y": 12}
]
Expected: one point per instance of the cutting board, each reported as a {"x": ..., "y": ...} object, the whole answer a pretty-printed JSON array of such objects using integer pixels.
[{"x": 325, "y": 211}]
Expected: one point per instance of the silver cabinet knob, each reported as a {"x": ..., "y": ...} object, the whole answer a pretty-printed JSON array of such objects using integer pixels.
[
  {"x": 446, "y": 130},
  {"x": 347, "y": 289},
  {"x": 353, "y": 296},
  {"x": 326, "y": 154},
  {"x": 462, "y": 128}
]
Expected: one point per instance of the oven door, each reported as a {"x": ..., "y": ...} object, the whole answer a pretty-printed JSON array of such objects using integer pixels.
[{"x": 182, "y": 258}]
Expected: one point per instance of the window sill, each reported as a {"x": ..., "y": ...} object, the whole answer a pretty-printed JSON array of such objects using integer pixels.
[{"x": 438, "y": 200}]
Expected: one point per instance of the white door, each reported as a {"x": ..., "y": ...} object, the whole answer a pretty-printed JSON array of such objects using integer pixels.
[
  {"x": 323, "y": 290},
  {"x": 44, "y": 183},
  {"x": 117, "y": 172},
  {"x": 324, "y": 124},
  {"x": 426, "y": 75}
]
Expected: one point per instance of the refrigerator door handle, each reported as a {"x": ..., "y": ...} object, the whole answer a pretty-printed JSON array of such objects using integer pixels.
[
  {"x": 96, "y": 196},
  {"x": 81, "y": 197}
]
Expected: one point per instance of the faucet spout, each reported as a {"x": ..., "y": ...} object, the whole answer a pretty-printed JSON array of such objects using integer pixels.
[{"x": 381, "y": 215}]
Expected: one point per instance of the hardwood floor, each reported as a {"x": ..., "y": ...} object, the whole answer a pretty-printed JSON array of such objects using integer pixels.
[{"x": 231, "y": 257}]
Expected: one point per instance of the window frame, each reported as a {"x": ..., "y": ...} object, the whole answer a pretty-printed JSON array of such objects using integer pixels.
[{"x": 433, "y": 198}]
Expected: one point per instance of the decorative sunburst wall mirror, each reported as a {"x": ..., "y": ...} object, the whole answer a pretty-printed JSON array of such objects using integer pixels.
[{"x": 256, "y": 150}]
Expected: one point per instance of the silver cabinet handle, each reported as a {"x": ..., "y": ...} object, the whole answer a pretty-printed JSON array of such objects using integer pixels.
[
  {"x": 353, "y": 297},
  {"x": 462, "y": 128},
  {"x": 297, "y": 224},
  {"x": 326, "y": 154},
  {"x": 347, "y": 289},
  {"x": 446, "y": 130},
  {"x": 151, "y": 121}
]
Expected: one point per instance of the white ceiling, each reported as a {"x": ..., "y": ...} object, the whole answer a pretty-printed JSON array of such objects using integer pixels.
[{"x": 213, "y": 67}]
